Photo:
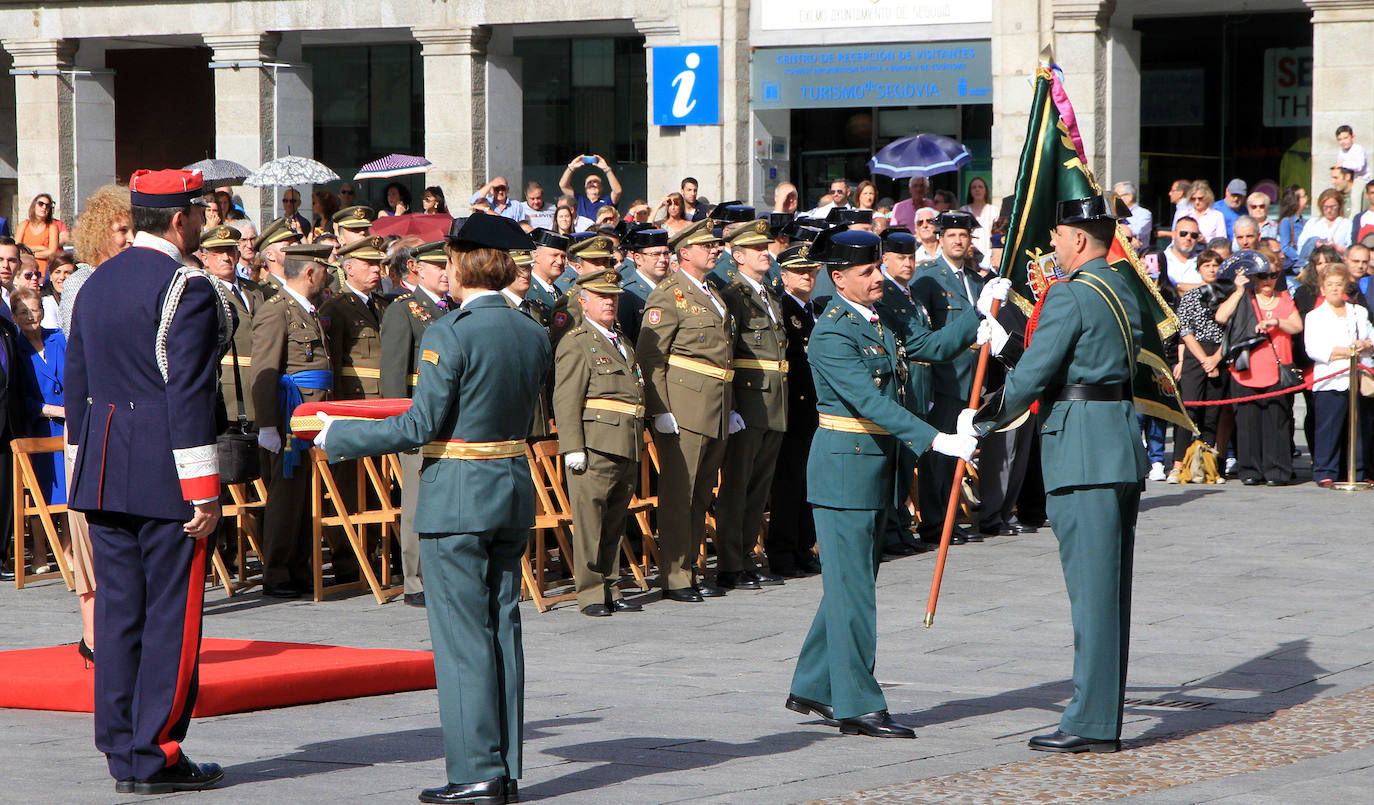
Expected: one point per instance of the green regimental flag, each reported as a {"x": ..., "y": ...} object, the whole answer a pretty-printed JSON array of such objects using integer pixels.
[{"x": 1052, "y": 169}]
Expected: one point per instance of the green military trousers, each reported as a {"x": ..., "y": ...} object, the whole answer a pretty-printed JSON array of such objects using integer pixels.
[
  {"x": 688, "y": 465},
  {"x": 836, "y": 662},
  {"x": 751, "y": 457},
  {"x": 600, "y": 498},
  {"x": 472, "y": 593},
  {"x": 1095, "y": 526}
]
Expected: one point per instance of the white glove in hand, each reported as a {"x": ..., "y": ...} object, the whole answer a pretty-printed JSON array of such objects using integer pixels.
[
  {"x": 576, "y": 462},
  {"x": 954, "y": 445},
  {"x": 270, "y": 440},
  {"x": 319, "y": 437},
  {"x": 665, "y": 423},
  {"x": 965, "y": 426},
  {"x": 736, "y": 423},
  {"x": 990, "y": 330},
  {"x": 995, "y": 289}
]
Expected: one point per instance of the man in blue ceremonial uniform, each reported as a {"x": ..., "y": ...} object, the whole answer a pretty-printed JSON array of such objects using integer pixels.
[
  {"x": 147, "y": 477},
  {"x": 550, "y": 258},
  {"x": 868, "y": 439},
  {"x": 648, "y": 249},
  {"x": 1080, "y": 362},
  {"x": 481, "y": 370}
]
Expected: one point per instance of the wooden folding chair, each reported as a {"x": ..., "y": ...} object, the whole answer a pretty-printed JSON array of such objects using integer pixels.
[
  {"x": 244, "y": 511},
  {"x": 645, "y": 502},
  {"x": 29, "y": 500},
  {"x": 324, "y": 489},
  {"x": 552, "y": 513}
]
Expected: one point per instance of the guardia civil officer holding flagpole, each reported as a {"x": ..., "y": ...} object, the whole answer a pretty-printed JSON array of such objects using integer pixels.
[
  {"x": 869, "y": 437},
  {"x": 480, "y": 372}
]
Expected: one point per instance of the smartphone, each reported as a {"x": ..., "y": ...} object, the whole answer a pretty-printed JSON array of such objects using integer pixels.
[{"x": 588, "y": 160}]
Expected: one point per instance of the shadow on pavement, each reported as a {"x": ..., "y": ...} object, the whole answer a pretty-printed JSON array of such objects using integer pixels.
[{"x": 1193, "y": 492}]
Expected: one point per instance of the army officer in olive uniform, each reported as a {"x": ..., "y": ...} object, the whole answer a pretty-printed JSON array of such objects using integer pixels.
[
  {"x": 270, "y": 243},
  {"x": 219, "y": 252},
  {"x": 1081, "y": 360},
  {"x": 686, "y": 348},
  {"x": 866, "y": 442},
  {"x": 353, "y": 321},
  {"x": 598, "y": 405},
  {"x": 594, "y": 253},
  {"x": 481, "y": 368}
]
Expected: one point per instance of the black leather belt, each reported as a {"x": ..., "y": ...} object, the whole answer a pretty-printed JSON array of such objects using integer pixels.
[{"x": 1103, "y": 392}]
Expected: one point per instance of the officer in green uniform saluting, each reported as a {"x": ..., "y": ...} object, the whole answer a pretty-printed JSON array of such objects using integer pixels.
[
  {"x": 868, "y": 438},
  {"x": 1080, "y": 361},
  {"x": 481, "y": 370}
]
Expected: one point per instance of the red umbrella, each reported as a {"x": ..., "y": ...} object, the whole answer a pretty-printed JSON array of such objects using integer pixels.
[{"x": 429, "y": 227}]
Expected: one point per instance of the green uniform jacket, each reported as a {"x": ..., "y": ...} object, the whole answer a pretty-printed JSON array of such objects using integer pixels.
[
  {"x": 355, "y": 342},
  {"x": 725, "y": 271},
  {"x": 631, "y": 310},
  {"x": 855, "y": 369},
  {"x": 943, "y": 295},
  {"x": 243, "y": 342},
  {"x": 486, "y": 364},
  {"x": 1079, "y": 339},
  {"x": 536, "y": 293},
  {"x": 920, "y": 390},
  {"x": 760, "y": 396},
  {"x": 543, "y": 408},
  {"x": 403, "y": 327},
  {"x": 287, "y": 338},
  {"x": 588, "y": 367},
  {"x": 680, "y": 320}
]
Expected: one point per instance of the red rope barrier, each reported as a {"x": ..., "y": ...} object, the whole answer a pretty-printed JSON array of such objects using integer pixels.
[{"x": 1307, "y": 384}]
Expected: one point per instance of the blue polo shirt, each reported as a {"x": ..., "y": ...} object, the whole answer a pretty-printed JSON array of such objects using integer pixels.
[{"x": 587, "y": 209}]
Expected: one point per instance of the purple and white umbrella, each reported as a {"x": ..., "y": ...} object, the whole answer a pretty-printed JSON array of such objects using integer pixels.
[
  {"x": 393, "y": 165},
  {"x": 919, "y": 155}
]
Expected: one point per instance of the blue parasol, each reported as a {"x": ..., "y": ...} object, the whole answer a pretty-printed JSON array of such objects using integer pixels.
[{"x": 919, "y": 155}]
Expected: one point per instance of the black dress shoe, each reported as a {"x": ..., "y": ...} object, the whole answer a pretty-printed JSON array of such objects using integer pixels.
[
  {"x": 1251, "y": 481},
  {"x": 763, "y": 577},
  {"x": 284, "y": 590},
  {"x": 6, "y": 574},
  {"x": 808, "y": 707},
  {"x": 876, "y": 725},
  {"x": 621, "y": 605},
  {"x": 1276, "y": 483},
  {"x": 810, "y": 565},
  {"x": 786, "y": 572},
  {"x": 512, "y": 790},
  {"x": 1003, "y": 530},
  {"x": 596, "y": 611},
  {"x": 969, "y": 536},
  {"x": 687, "y": 595},
  {"x": 181, "y": 776},
  {"x": 415, "y": 599},
  {"x": 734, "y": 580},
  {"x": 124, "y": 786},
  {"x": 492, "y": 792},
  {"x": 899, "y": 549},
  {"x": 1060, "y": 741},
  {"x": 708, "y": 590},
  {"x": 1022, "y": 528}
]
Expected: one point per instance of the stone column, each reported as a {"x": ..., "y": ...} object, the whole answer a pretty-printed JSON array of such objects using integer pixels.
[
  {"x": 1122, "y": 126},
  {"x": 1081, "y": 48},
  {"x": 455, "y": 109},
  {"x": 1341, "y": 68},
  {"x": 1016, "y": 42},
  {"x": 664, "y": 143},
  {"x": 43, "y": 114},
  {"x": 245, "y": 110}
]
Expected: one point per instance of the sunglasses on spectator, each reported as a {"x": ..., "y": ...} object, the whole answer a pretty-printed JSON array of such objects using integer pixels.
[
  {"x": 1188, "y": 234},
  {"x": 30, "y": 275},
  {"x": 1199, "y": 198},
  {"x": 1259, "y": 206},
  {"x": 290, "y": 200},
  {"x": 1272, "y": 275},
  {"x": 500, "y": 187},
  {"x": 347, "y": 191},
  {"x": 43, "y": 204}
]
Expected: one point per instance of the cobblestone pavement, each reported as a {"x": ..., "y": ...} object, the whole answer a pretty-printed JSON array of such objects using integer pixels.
[{"x": 1251, "y": 663}]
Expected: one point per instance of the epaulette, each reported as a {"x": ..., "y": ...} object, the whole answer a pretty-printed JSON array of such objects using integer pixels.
[
  {"x": 578, "y": 329},
  {"x": 737, "y": 285},
  {"x": 926, "y": 264},
  {"x": 403, "y": 297}
]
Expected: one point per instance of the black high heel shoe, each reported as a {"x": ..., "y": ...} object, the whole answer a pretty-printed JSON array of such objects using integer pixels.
[{"x": 87, "y": 653}]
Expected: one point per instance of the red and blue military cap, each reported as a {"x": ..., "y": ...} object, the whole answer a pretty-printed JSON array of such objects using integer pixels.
[{"x": 166, "y": 188}]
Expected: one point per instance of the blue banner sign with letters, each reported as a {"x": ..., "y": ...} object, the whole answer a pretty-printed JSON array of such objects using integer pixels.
[
  {"x": 913, "y": 74},
  {"x": 687, "y": 86}
]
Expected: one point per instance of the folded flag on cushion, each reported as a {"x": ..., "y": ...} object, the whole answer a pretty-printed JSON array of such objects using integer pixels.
[{"x": 306, "y": 422}]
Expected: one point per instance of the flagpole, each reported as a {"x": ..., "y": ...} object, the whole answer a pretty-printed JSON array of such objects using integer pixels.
[{"x": 960, "y": 467}]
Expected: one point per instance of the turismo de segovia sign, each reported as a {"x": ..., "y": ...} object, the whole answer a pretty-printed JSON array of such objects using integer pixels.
[{"x": 916, "y": 74}]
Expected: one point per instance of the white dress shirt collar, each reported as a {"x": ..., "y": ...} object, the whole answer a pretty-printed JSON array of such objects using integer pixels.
[
  {"x": 478, "y": 295},
  {"x": 305, "y": 303},
  {"x": 147, "y": 240},
  {"x": 866, "y": 313}
]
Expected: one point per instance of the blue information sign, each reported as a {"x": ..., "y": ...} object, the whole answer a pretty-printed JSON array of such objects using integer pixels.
[{"x": 687, "y": 86}]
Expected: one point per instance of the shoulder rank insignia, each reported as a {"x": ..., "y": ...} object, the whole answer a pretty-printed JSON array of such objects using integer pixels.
[
  {"x": 430, "y": 356},
  {"x": 654, "y": 316}
]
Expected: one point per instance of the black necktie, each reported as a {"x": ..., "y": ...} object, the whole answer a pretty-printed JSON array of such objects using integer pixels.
[{"x": 372, "y": 306}]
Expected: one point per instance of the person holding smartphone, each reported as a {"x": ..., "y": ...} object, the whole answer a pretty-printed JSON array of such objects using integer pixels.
[{"x": 592, "y": 199}]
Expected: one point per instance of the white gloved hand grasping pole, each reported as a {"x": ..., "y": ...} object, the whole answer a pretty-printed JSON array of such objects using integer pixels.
[
  {"x": 965, "y": 426},
  {"x": 954, "y": 445},
  {"x": 990, "y": 330},
  {"x": 995, "y": 289}
]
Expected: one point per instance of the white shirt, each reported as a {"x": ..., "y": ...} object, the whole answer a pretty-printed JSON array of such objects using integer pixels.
[
  {"x": 866, "y": 313},
  {"x": 1323, "y": 331},
  {"x": 233, "y": 288},
  {"x": 1181, "y": 272},
  {"x": 905, "y": 286},
  {"x": 540, "y": 218},
  {"x": 1355, "y": 159},
  {"x": 305, "y": 303},
  {"x": 1336, "y": 232},
  {"x": 647, "y": 280},
  {"x": 364, "y": 298},
  {"x": 426, "y": 291},
  {"x": 549, "y": 289},
  {"x": 478, "y": 295},
  {"x": 706, "y": 290},
  {"x": 147, "y": 240},
  {"x": 511, "y": 297},
  {"x": 923, "y": 256}
]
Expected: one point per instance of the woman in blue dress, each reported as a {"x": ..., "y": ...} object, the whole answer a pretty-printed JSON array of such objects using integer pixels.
[{"x": 43, "y": 353}]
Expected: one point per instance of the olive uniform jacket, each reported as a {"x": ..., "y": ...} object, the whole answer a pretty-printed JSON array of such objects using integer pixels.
[
  {"x": 760, "y": 394},
  {"x": 355, "y": 344},
  {"x": 590, "y": 372},
  {"x": 945, "y": 297},
  {"x": 855, "y": 369},
  {"x": 1081, "y": 338},
  {"x": 287, "y": 338},
  {"x": 403, "y": 327},
  {"x": 681, "y": 323},
  {"x": 243, "y": 344},
  {"x": 483, "y": 368}
]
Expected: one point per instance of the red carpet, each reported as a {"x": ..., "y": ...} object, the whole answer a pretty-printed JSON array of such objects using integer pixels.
[{"x": 235, "y": 675}]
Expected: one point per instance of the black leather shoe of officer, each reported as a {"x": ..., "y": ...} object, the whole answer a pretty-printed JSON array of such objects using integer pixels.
[
  {"x": 763, "y": 577},
  {"x": 596, "y": 611},
  {"x": 969, "y": 536},
  {"x": 708, "y": 590},
  {"x": 786, "y": 571},
  {"x": 415, "y": 599},
  {"x": 687, "y": 595},
  {"x": 1252, "y": 481},
  {"x": 1002, "y": 530},
  {"x": 733, "y": 580},
  {"x": 1022, "y": 528},
  {"x": 810, "y": 566},
  {"x": 1059, "y": 741},
  {"x": 811, "y": 708},
  {"x": 181, "y": 776},
  {"x": 876, "y": 725},
  {"x": 492, "y": 792},
  {"x": 124, "y": 786},
  {"x": 283, "y": 590},
  {"x": 899, "y": 549},
  {"x": 621, "y": 605}
]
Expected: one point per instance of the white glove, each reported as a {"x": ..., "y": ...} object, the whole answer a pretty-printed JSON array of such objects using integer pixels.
[
  {"x": 665, "y": 423},
  {"x": 269, "y": 439},
  {"x": 992, "y": 330},
  {"x": 319, "y": 437},
  {"x": 736, "y": 423},
  {"x": 965, "y": 426},
  {"x": 954, "y": 445},
  {"x": 576, "y": 462},
  {"x": 995, "y": 289}
]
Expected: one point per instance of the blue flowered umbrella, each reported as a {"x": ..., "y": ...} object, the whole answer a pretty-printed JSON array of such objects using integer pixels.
[{"x": 919, "y": 155}]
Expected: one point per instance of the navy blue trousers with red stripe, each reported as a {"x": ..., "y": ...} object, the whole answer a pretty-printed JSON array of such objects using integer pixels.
[{"x": 151, "y": 585}]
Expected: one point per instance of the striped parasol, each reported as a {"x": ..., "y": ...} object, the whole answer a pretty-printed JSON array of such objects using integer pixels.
[{"x": 393, "y": 165}]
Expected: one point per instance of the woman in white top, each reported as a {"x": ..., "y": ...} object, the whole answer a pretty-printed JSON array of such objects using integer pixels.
[
  {"x": 980, "y": 207},
  {"x": 1327, "y": 229},
  {"x": 1211, "y": 222},
  {"x": 1334, "y": 331}
]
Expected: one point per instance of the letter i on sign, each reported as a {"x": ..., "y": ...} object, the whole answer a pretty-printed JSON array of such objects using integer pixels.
[{"x": 684, "y": 82}]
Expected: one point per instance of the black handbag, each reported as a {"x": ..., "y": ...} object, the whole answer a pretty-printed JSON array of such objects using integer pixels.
[{"x": 236, "y": 447}]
